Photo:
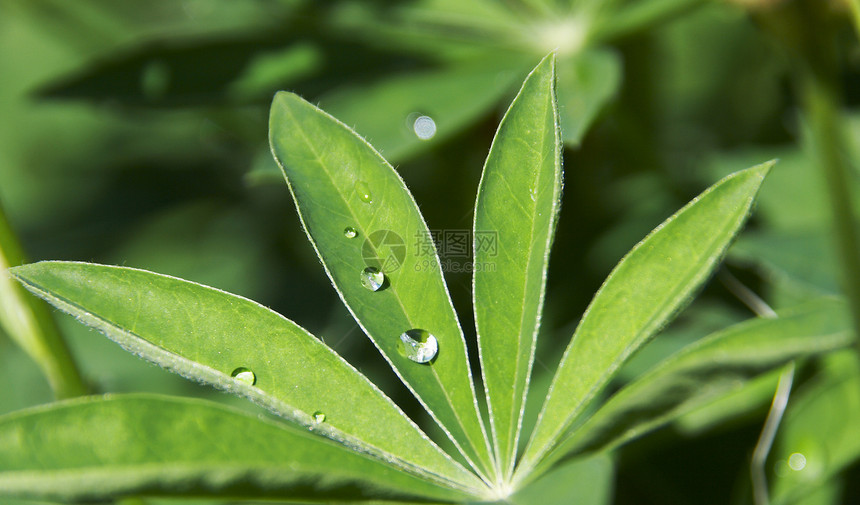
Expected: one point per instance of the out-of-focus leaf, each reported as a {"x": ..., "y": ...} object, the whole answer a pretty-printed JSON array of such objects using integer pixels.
[
  {"x": 27, "y": 321},
  {"x": 385, "y": 112},
  {"x": 515, "y": 217},
  {"x": 639, "y": 297},
  {"x": 586, "y": 481},
  {"x": 754, "y": 394},
  {"x": 804, "y": 259},
  {"x": 100, "y": 448},
  {"x": 211, "y": 336},
  {"x": 192, "y": 72},
  {"x": 586, "y": 82},
  {"x": 708, "y": 369},
  {"x": 364, "y": 225},
  {"x": 640, "y": 15},
  {"x": 818, "y": 436}
]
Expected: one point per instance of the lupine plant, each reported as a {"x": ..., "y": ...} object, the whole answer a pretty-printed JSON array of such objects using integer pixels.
[{"x": 336, "y": 437}]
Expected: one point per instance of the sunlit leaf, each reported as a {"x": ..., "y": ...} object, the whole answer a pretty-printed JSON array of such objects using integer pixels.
[
  {"x": 379, "y": 254},
  {"x": 515, "y": 215},
  {"x": 709, "y": 369},
  {"x": 648, "y": 287},
  {"x": 213, "y": 337}
]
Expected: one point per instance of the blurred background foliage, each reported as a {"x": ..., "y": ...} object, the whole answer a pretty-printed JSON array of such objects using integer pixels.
[{"x": 135, "y": 133}]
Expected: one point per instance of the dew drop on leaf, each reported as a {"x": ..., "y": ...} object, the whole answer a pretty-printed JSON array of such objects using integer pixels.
[
  {"x": 363, "y": 192},
  {"x": 244, "y": 375},
  {"x": 418, "y": 345},
  {"x": 424, "y": 127},
  {"x": 372, "y": 279},
  {"x": 319, "y": 417},
  {"x": 349, "y": 232}
]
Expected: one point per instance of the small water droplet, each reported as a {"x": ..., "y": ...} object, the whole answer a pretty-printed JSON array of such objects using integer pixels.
[
  {"x": 797, "y": 461},
  {"x": 363, "y": 192},
  {"x": 349, "y": 232},
  {"x": 418, "y": 345},
  {"x": 424, "y": 127},
  {"x": 372, "y": 279},
  {"x": 319, "y": 417},
  {"x": 244, "y": 375}
]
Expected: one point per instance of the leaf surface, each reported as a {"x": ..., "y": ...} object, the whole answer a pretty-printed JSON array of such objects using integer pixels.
[
  {"x": 98, "y": 448},
  {"x": 644, "y": 291},
  {"x": 358, "y": 214},
  {"x": 587, "y": 81},
  {"x": 515, "y": 216},
  {"x": 206, "y": 334},
  {"x": 28, "y": 322},
  {"x": 590, "y": 480},
  {"x": 385, "y": 112},
  {"x": 708, "y": 369},
  {"x": 818, "y": 436}
]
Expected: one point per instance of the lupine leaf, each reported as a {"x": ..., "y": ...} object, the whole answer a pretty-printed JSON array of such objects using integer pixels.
[
  {"x": 647, "y": 288},
  {"x": 515, "y": 216},
  {"x": 207, "y": 335},
  {"x": 358, "y": 214}
]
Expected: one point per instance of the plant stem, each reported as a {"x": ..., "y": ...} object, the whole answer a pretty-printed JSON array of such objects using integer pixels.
[
  {"x": 828, "y": 138},
  {"x": 28, "y": 322},
  {"x": 758, "y": 473}
]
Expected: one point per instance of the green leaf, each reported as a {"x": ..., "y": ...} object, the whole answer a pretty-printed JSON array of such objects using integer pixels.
[
  {"x": 515, "y": 216},
  {"x": 385, "y": 112},
  {"x": 647, "y": 288},
  {"x": 818, "y": 436},
  {"x": 28, "y": 323},
  {"x": 587, "y": 81},
  {"x": 206, "y": 334},
  {"x": 708, "y": 369},
  {"x": 99, "y": 448},
  {"x": 590, "y": 480},
  {"x": 340, "y": 182},
  {"x": 639, "y": 16}
]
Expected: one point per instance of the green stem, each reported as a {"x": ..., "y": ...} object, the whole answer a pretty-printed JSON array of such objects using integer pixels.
[
  {"x": 28, "y": 322},
  {"x": 821, "y": 106}
]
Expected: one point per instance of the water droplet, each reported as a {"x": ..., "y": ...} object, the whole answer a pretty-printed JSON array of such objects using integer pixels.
[
  {"x": 797, "y": 461},
  {"x": 424, "y": 127},
  {"x": 319, "y": 417},
  {"x": 363, "y": 192},
  {"x": 418, "y": 345},
  {"x": 372, "y": 279},
  {"x": 349, "y": 232},
  {"x": 244, "y": 375}
]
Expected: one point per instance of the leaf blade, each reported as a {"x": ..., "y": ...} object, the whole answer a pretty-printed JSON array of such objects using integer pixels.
[
  {"x": 719, "y": 364},
  {"x": 206, "y": 334},
  {"x": 104, "y": 447},
  {"x": 642, "y": 293},
  {"x": 586, "y": 83},
  {"x": 523, "y": 167},
  {"x": 352, "y": 186}
]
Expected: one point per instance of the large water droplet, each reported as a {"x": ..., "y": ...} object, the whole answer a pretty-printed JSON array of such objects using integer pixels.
[
  {"x": 363, "y": 191},
  {"x": 319, "y": 417},
  {"x": 418, "y": 345},
  {"x": 372, "y": 279},
  {"x": 245, "y": 375},
  {"x": 349, "y": 232},
  {"x": 424, "y": 127}
]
